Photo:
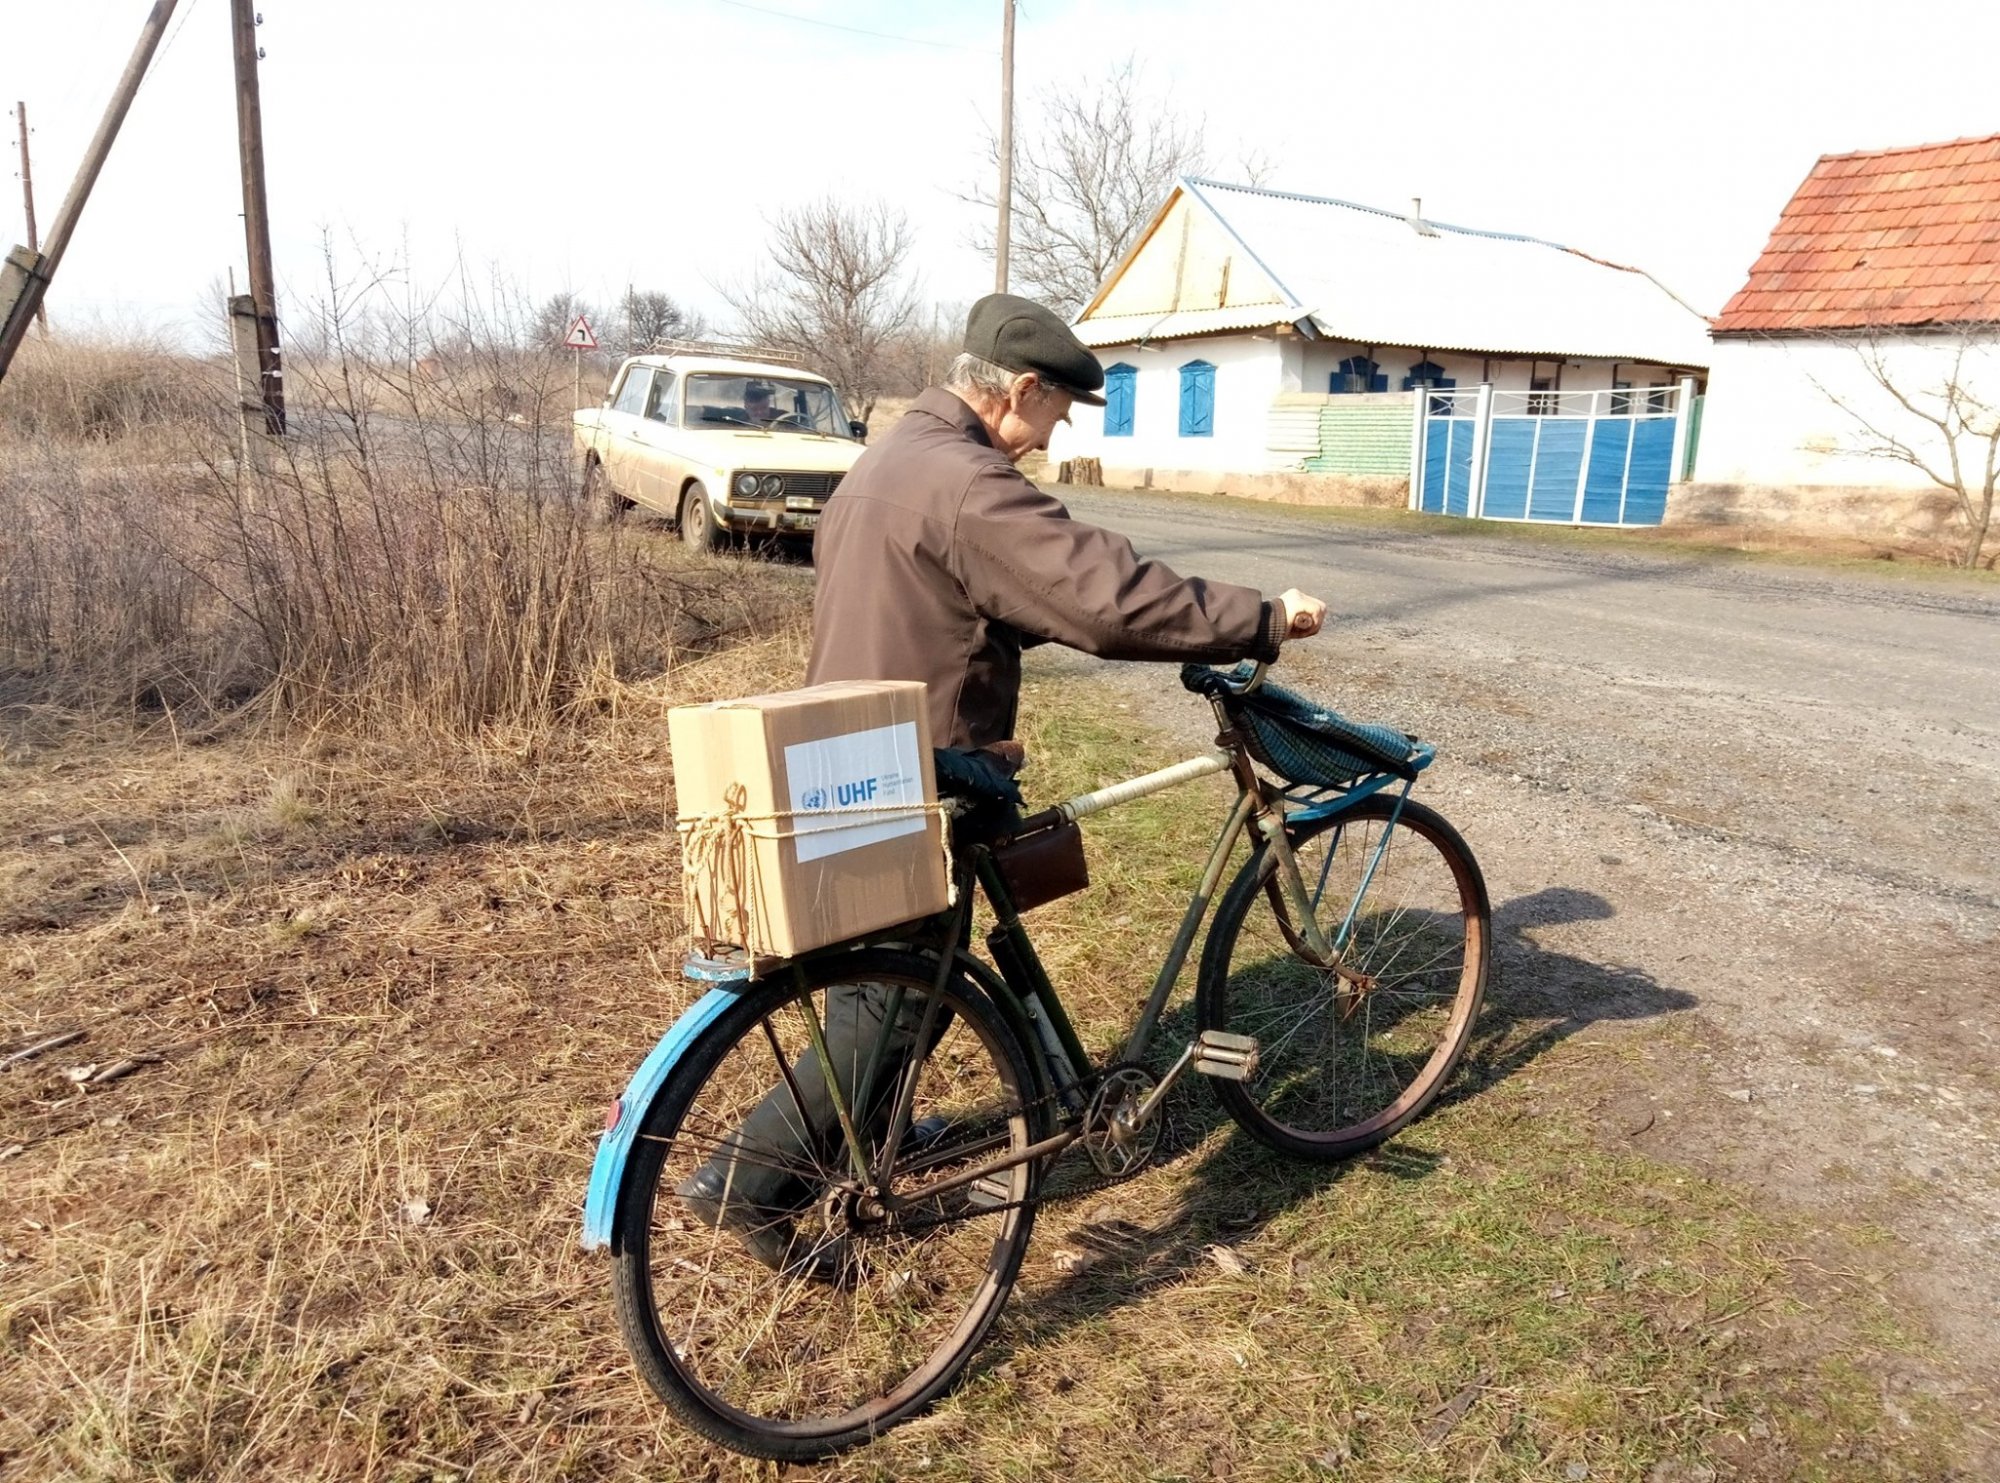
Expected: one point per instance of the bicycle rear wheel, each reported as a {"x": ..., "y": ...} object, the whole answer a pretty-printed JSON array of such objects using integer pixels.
[
  {"x": 786, "y": 1316},
  {"x": 1343, "y": 1062}
]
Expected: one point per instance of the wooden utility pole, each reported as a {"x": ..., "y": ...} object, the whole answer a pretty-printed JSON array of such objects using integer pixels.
[
  {"x": 27, "y": 274},
  {"x": 28, "y": 205},
  {"x": 256, "y": 215},
  {"x": 1000, "y": 242}
]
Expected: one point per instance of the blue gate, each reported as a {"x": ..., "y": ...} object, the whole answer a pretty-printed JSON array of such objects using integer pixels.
[
  {"x": 1447, "y": 479},
  {"x": 1569, "y": 458}
]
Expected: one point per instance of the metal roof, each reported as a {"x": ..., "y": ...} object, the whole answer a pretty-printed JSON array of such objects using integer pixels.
[
  {"x": 1130, "y": 329},
  {"x": 1375, "y": 278}
]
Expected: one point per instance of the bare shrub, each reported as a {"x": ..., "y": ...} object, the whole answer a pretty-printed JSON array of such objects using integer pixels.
[
  {"x": 1932, "y": 406},
  {"x": 414, "y": 554}
]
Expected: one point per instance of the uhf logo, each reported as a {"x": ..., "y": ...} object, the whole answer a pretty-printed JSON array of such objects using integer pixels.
[
  {"x": 845, "y": 795},
  {"x": 862, "y": 790}
]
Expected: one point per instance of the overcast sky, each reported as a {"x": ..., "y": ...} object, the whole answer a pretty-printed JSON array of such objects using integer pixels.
[{"x": 592, "y": 143}]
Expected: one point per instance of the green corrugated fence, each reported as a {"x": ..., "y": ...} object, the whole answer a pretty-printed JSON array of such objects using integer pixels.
[{"x": 1364, "y": 438}]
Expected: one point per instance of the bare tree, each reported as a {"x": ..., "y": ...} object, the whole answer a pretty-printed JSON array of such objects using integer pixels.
[
  {"x": 1092, "y": 164},
  {"x": 919, "y": 356},
  {"x": 1938, "y": 417},
  {"x": 836, "y": 294},
  {"x": 646, "y": 317}
]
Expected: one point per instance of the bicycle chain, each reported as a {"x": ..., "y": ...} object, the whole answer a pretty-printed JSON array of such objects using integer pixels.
[{"x": 1098, "y": 1180}]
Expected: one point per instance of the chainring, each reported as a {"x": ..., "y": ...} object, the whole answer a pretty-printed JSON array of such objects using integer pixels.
[{"x": 1117, "y": 1142}]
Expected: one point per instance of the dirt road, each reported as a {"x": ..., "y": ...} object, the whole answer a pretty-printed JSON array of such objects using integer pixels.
[{"x": 1742, "y": 815}]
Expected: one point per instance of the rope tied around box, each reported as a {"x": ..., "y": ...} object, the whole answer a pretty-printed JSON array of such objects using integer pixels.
[{"x": 715, "y": 848}]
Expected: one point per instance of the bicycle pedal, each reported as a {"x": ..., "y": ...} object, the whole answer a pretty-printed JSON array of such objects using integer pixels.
[
  {"x": 985, "y": 1194},
  {"x": 1230, "y": 1057}
]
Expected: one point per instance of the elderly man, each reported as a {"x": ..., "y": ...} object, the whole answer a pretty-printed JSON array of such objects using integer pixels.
[{"x": 938, "y": 560}]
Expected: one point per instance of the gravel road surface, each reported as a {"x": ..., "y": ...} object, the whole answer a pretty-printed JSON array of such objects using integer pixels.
[{"x": 1741, "y": 813}]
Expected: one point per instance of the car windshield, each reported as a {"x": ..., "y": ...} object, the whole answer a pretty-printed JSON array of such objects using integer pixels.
[{"x": 771, "y": 402}]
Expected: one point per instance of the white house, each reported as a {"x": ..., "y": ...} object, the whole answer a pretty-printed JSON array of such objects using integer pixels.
[
  {"x": 1258, "y": 341},
  {"x": 1873, "y": 309}
]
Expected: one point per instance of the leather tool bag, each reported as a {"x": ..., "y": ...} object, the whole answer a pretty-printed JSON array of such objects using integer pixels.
[{"x": 1043, "y": 867}]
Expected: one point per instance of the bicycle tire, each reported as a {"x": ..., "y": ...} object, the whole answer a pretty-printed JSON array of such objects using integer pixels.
[
  {"x": 1340, "y": 1069},
  {"x": 781, "y": 1365}
]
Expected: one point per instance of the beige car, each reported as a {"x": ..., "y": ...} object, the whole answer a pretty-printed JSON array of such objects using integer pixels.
[{"x": 722, "y": 447}]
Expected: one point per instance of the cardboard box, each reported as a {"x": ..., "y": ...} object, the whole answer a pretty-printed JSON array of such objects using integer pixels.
[{"x": 808, "y": 817}]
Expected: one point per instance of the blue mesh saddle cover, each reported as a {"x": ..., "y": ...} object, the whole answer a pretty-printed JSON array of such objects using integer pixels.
[
  {"x": 1309, "y": 743},
  {"x": 1302, "y": 740}
]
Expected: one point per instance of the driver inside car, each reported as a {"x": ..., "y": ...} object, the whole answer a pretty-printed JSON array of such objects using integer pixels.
[{"x": 758, "y": 405}]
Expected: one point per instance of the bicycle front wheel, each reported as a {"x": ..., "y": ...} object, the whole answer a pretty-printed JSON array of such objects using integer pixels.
[
  {"x": 1350, "y": 1050},
  {"x": 780, "y": 1304}
]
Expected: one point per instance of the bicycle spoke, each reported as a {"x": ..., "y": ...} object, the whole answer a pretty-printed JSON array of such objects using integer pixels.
[
  {"x": 784, "y": 1068},
  {"x": 1342, "y": 1057}
]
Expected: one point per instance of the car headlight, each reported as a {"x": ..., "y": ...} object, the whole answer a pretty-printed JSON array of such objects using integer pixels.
[
  {"x": 773, "y": 486},
  {"x": 746, "y": 485}
]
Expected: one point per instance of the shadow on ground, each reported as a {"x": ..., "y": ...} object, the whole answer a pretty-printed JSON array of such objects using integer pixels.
[{"x": 1535, "y": 999}]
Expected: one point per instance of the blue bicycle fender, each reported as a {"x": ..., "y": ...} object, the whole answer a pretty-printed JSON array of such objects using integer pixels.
[{"x": 600, "y": 1204}]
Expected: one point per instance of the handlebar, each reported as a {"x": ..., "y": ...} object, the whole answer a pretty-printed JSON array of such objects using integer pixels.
[{"x": 1224, "y": 684}]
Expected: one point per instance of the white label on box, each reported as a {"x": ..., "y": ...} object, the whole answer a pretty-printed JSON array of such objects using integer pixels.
[{"x": 864, "y": 771}]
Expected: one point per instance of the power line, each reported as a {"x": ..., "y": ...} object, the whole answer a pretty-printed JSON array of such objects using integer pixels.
[
  {"x": 175, "y": 35},
  {"x": 806, "y": 20}
]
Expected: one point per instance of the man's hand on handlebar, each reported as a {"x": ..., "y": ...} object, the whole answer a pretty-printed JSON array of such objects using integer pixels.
[{"x": 1303, "y": 615}]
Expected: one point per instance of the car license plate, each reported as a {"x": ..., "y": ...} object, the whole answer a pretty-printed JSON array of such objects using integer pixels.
[{"x": 802, "y": 522}]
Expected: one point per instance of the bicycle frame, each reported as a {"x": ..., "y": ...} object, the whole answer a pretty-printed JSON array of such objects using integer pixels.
[{"x": 1035, "y": 1000}]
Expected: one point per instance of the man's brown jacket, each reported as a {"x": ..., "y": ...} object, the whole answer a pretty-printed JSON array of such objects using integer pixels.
[{"x": 939, "y": 561}]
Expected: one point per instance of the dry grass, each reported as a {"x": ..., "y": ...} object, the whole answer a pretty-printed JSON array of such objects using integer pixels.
[
  {"x": 105, "y": 392},
  {"x": 331, "y": 1231}
]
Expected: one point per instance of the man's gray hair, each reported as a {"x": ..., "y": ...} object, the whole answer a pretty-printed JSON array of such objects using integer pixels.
[{"x": 972, "y": 373}]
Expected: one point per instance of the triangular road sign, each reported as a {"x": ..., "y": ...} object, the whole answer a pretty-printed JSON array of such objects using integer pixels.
[{"x": 580, "y": 336}]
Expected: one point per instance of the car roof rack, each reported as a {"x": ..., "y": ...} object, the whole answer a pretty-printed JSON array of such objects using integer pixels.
[{"x": 725, "y": 349}]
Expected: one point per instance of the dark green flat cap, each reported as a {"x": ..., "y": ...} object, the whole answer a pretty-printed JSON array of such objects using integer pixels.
[{"x": 1021, "y": 335}]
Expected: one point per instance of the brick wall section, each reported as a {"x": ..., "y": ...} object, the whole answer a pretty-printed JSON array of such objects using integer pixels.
[{"x": 1366, "y": 437}]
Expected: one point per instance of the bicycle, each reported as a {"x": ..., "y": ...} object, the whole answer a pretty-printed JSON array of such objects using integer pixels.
[{"x": 1337, "y": 989}]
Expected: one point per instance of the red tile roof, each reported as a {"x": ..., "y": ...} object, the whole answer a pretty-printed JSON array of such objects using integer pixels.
[{"x": 1898, "y": 237}]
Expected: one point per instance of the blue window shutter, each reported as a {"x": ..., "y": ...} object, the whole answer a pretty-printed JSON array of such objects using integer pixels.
[
  {"x": 1430, "y": 374},
  {"x": 1120, "y": 383},
  {"x": 1197, "y": 399},
  {"x": 1357, "y": 373}
]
